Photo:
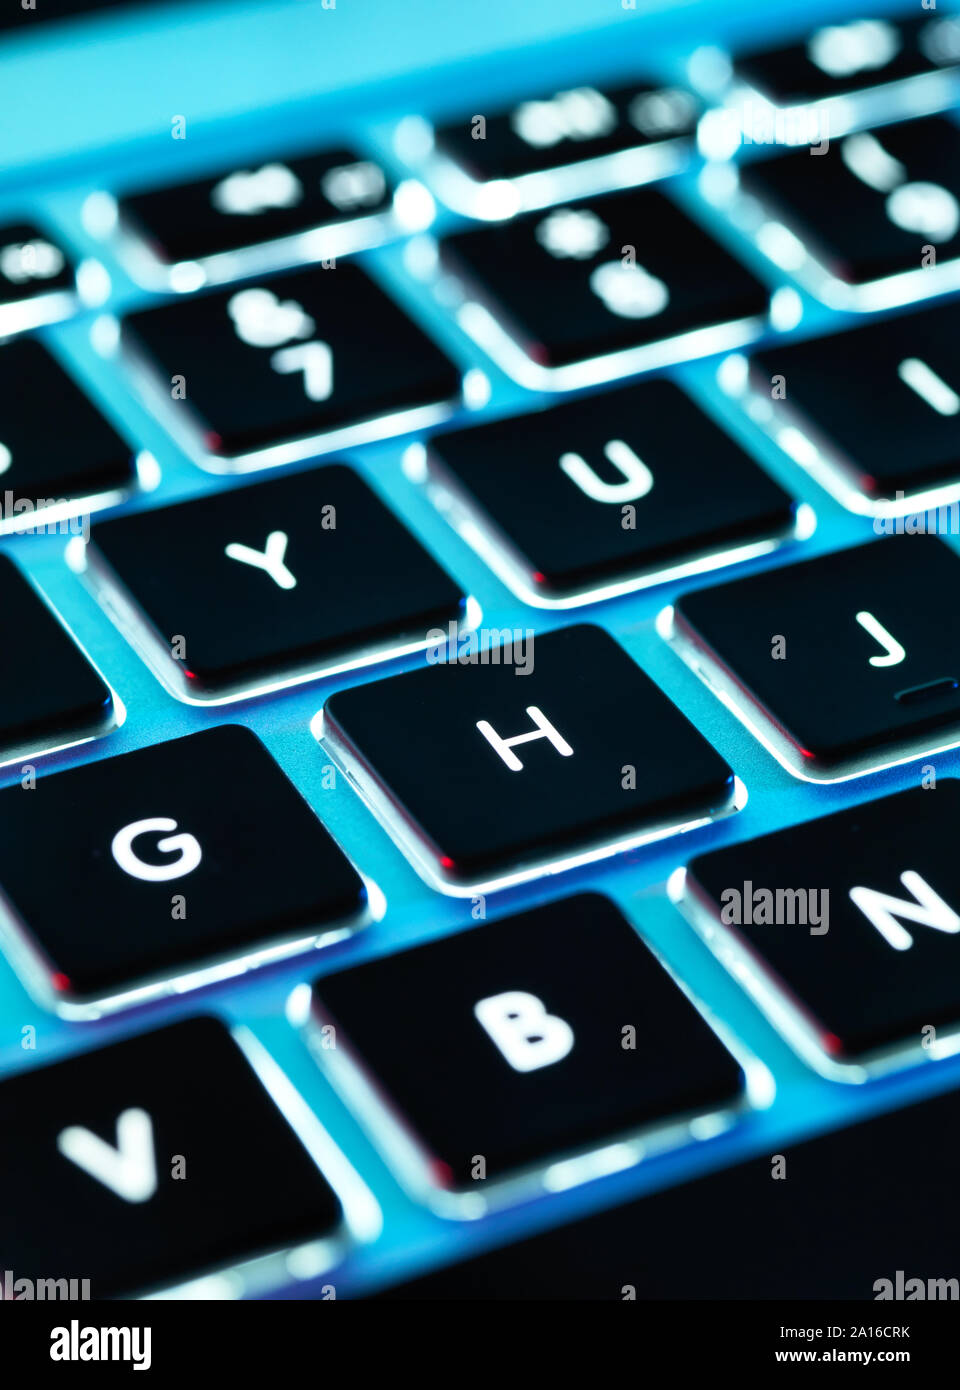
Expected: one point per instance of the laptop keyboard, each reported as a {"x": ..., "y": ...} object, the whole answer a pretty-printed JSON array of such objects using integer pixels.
[{"x": 508, "y": 813}]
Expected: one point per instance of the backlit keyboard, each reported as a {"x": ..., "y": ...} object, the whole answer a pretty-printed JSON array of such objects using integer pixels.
[{"x": 480, "y": 714}]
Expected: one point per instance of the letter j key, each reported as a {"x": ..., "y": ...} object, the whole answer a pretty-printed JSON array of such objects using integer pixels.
[{"x": 840, "y": 664}]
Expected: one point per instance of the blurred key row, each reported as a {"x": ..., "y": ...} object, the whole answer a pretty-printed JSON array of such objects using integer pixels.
[
  {"x": 281, "y": 373},
  {"x": 307, "y": 362},
  {"x": 854, "y": 219},
  {"x": 560, "y": 293}
]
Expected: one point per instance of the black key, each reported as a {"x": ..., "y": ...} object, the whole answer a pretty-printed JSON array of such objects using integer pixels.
[
  {"x": 202, "y": 842},
  {"x": 151, "y": 1162},
  {"x": 258, "y": 202},
  {"x": 520, "y": 1054},
  {"x": 499, "y": 771},
  {"x": 36, "y": 279},
  {"x": 283, "y": 362},
  {"x": 275, "y": 581},
  {"x": 564, "y": 285},
  {"x": 883, "y": 401},
  {"x": 850, "y": 923},
  {"x": 596, "y": 492},
  {"x": 814, "y": 1234},
  {"x": 565, "y": 128},
  {"x": 70, "y": 454},
  {"x": 875, "y": 204},
  {"x": 855, "y": 55},
  {"x": 50, "y": 696},
  {"x": 854, "y": 657}
]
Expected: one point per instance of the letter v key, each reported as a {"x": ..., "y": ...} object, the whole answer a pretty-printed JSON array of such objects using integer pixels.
[{"x": 129, "y": 1169}]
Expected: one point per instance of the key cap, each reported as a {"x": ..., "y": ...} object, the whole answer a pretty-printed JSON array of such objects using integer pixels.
[
  {"x": 847, "y": 661},
  {"x": 263, "y": 373},
  {"x": 53, "y": 457},
  {"x": 848, "y": 925},
  {"x": 856, "y": 56},
  {"x": 593, "y": 496},
  {"x": 823, "y": 1242},
  {"x": 36, "y": 279},
  {"x": 881, "y": 402},
  {"x": 50, "y": 696},
  {"x": 202, "y": 842},
  {"x": 600, "y": 279},
  {"x": 605, "y": 136},
  {"x": 877, "y": 204},
  {"x": 266, "y": 585},
  {"x": 499, "y": 773},
  {"x": 264, "y": 213},
  {"x": 152, "y": 1161},
  {"x": 520, "y": 1055}
]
